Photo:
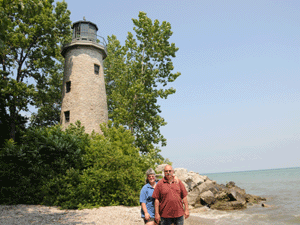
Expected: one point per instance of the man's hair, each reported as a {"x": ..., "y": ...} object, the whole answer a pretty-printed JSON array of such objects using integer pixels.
[{"x": 149, "y": 171}]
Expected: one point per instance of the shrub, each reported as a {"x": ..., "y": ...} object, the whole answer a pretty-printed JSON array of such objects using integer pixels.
[
  {"x": 42, "y": 154},
  {"x": 113, "y": 174},
  {"x": 72, "y": 169}
]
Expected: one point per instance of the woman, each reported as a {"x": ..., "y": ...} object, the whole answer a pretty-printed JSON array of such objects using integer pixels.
[{"x": 146, "y": 200}]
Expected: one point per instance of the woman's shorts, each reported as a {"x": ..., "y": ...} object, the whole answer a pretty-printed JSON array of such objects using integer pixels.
[{"x": 146, "y": 221}]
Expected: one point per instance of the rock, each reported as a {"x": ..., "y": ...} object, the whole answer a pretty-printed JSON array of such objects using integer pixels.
[
  {"x": 191, "y": 207},
  {"x": 265, "y": 205},
  {"x": 238, "y": 190},
  {"x": 193, "y": 179},
  {"x": 186, "y": 186},
  {"x": 181, "y": 173},
  {"x": 205, "y": 192},
  {"x": 199, "y": 210},
  {"x": 230, "y": 184},
  {"x": 193, "y": 196},
  {"x": 161, "y": 167},
  {"x": 254, "y": 199},
  {"x": 197, "y": 178},
  {"x": 235, "y": 195},
  {"x": 216, "y": 188},
  {"x": 222, "y": 196},
  {"x": 198, "y": 205},
  {"x": 207, "y": 197},
  {"x": 233, "y": 205},
  {"x": 206, "y": 186}
]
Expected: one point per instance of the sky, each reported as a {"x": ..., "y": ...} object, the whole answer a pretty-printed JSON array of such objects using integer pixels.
[{"x": 237, "y": 101}]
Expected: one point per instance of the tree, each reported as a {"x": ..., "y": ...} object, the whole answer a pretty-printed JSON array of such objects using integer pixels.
[
  {"x": 48, "y": 100},
  {"x": 71, "y": 168},
  {"x": 136, "y": 76},
  {"x": 32, "y": 32},
  {"x": 43, "y": 153}
]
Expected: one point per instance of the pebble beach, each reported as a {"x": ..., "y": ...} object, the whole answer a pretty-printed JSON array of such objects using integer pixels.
[{"x": 42, "y": 215}]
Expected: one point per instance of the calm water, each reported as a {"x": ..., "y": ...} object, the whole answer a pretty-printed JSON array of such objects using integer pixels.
[{"x": 281, "y": 187}]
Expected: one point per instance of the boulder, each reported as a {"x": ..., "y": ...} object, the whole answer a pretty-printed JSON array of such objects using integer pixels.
[
  {"x": 193, "y": 179},
  {"x": 205, "y": 192},
  {"x": 186, "y": 186},
  {"x": 222, "y": 196},
  {"x": 239, "y": 190},
  {"x": 181, "y": 173},
  {"x": 161, "y": 167},
  {"x": 230, "y": 184},
  {"x": 193, "y": 196},
  {"x": 197, "y": 177},
  {"x": 206, "y": 186},
  {"x": 235, "y": 195},
  {"x": 254, "y": 199},
  {"x": 207, "y": 198},
  {"x": 232, "y": 205},
  {"x": 265, "y": 205}
]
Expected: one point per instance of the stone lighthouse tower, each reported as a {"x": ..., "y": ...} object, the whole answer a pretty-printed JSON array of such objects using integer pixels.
[{"x": 83, "y": 92}]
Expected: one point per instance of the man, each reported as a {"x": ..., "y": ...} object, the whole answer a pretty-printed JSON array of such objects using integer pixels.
[{"x": 168, "y": 200}]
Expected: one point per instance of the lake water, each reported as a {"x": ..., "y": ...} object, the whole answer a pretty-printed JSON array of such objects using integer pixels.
[{"x": 281, "y": 187}]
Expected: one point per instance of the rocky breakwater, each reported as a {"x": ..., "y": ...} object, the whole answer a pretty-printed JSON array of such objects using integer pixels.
[{"x": 205, "y": 192}]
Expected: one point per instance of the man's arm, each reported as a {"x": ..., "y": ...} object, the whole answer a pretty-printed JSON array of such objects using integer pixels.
[
  {"x": 156, "y": 206},
  {"x": 186, "y": 206}
]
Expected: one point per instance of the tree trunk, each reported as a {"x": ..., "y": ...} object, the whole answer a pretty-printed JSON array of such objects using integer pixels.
[{"x": 12, "y": 122}]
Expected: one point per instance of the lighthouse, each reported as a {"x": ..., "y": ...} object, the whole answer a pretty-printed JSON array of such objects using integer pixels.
[{"x": 83, "y": 92}]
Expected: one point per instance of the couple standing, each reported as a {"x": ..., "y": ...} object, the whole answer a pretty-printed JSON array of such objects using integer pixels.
[{"x": 163, "y": 201}]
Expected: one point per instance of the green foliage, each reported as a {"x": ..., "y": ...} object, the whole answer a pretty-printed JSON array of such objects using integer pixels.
[
  {"x": 43, "y": 153},
  {"x": 154, "y": 158},
  {"x": 31, "y": 34},
  {"x": 136, "y": 76},
  {"x": 48, "y": 98},
  {"x": 72, "y": 169},
  {"x": 113, "y": 174}
]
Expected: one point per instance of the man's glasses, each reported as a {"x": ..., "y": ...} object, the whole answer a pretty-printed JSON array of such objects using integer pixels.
[{"x": 168, "y": 171}]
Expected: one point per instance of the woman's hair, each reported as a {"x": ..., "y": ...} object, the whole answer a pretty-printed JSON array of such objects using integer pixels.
[{"x": 148, "y": 172}]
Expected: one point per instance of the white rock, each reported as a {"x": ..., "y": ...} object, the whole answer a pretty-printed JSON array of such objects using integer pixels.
[
  {"x": 161, "y": 167},
  {"x": 207, "y": 197},
  {"x": 193, "y": 196},
  {"x": 186, "y": 186},
  {"x": 181, "y": 173}
]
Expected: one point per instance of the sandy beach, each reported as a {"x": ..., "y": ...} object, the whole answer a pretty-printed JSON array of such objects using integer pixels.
[{"x": 42, "y": 215}]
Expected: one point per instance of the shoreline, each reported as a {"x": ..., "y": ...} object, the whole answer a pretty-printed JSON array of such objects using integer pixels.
[{"x": 39, "y": 215}]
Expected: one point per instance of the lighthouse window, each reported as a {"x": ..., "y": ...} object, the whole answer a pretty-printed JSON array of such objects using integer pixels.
[
  {"x": 96, "y": 68},
  {"x": 84, "y": 31},
  {"x": 68, "y": 86},
  {"x": 67, "y": 116}
]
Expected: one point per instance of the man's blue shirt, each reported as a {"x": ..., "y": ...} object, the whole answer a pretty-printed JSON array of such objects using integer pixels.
[{"x": 146, "y": 197}]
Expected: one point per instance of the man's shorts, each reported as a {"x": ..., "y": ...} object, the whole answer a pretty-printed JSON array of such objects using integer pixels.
[{"x": 169, "y": 221}]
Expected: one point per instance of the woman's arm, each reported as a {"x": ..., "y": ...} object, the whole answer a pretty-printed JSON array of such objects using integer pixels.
[
  {"x": 147, "y": 215},
  {"x": 176, "y": 180}
]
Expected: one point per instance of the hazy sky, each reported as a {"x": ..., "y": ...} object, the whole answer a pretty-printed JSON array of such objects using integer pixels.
[{"x": 237, "y": 105}]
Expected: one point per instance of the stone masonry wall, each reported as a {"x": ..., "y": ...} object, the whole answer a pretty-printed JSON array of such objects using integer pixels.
[{"x": 87, "y": 99}]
